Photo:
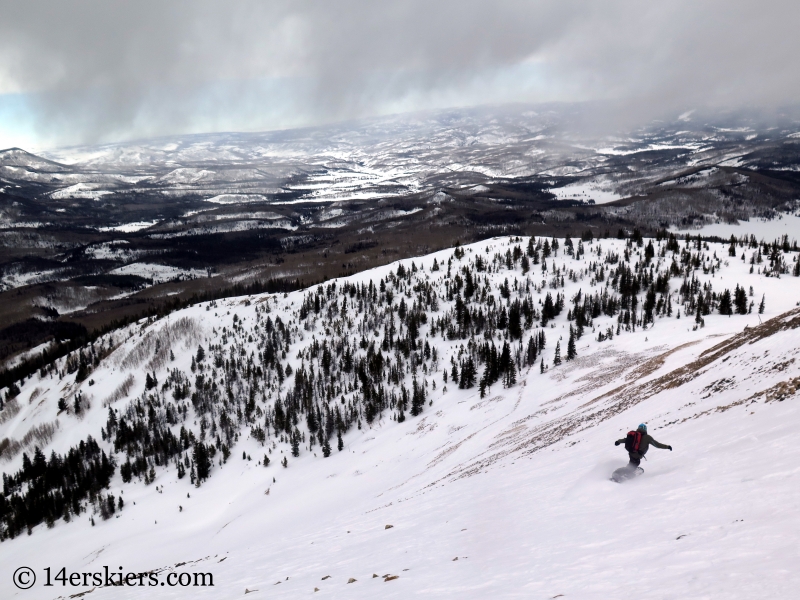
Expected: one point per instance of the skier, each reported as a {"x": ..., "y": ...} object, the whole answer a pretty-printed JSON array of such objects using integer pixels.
[{"x": 637, "y": 445}]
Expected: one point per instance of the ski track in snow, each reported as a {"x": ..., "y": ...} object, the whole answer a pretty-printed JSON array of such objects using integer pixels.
[{"x": 515, "y": 486}]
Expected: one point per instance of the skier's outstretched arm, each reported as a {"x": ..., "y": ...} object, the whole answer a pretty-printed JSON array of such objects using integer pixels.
[
  {"x": 659, "y": 445},
  {"x": 618, "y": 442}
]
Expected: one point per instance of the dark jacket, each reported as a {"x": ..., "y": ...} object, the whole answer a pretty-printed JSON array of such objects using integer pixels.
[{"x": 644, "y": 444}]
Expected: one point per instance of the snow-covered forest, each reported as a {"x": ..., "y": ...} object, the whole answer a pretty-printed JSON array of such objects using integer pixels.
[{"x": 529, "y": 345}]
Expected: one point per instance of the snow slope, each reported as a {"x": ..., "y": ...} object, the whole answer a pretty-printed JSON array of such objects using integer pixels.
[{"x": 514, "y": 485}]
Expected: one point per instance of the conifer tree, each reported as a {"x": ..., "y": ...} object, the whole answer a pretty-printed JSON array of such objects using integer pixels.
[
  {"x": 83, "y": 368},
  {"x": 515, "y": 321},
  {"x": 339, "y": 441},
  {"x": 725, "y": 307},
  {"x": 202, "y": 462},
  {"x": 469, "y": 285},
  {"x": 311, "y": 421},
  {"x": 525, "y": 264},
  {"x": 740, "y": 300},
  {"x": 557, "y": 357},
  {"x": 296, "y": 443},
  {"x": 510, "y": 374},
  {"x": 761, "y": 305},
  {"x": 507, "y": 367},
  {"x": 326, "y": 448},
  {"x": 650, "y": 304},
  {"x": 571, "y": 352},
  {"x": 417, "y": 398},
  {"x": 530, "y": 354},
  {"x": 467, "y": 380},
  {"x": 505, "y": 358},
  {"x": 548, "y": 310}
]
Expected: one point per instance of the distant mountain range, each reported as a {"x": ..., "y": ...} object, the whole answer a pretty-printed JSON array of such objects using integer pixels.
[{"x": 384, "y": 158}]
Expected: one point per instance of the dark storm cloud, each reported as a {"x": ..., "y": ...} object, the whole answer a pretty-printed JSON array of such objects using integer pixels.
[{"x": 96, "y": 70}]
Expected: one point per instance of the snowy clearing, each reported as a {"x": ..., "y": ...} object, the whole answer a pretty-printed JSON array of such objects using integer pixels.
[
  {"x": 763, "y": 229},
  {"x": 585, "y": 191},
  {"x": 158, "y": 273},
  {"x": 130, "y": 227}
]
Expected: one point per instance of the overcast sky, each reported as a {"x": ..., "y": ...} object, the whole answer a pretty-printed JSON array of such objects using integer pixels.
[{"x": 91, "y": 71}]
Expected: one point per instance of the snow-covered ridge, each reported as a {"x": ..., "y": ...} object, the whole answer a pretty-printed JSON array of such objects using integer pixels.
[
  {"x": 353, "y": 358},
  {"x": 16, "y": 157}
]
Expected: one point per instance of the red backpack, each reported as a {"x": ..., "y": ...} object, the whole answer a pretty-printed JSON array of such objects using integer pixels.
[{"x": 633, "y": 440}]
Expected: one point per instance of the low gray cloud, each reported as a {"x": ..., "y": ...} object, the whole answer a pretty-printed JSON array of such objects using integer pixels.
[{"x": 98, "y": 71}]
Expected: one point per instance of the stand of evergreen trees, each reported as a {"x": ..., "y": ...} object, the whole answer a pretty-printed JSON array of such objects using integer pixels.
[{"x": 45, "y": 490}]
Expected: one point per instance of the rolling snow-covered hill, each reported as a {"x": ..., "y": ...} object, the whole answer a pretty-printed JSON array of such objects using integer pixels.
[{"x": 462, "y": 458}]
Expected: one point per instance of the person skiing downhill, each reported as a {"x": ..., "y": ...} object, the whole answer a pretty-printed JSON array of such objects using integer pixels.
[{"x": 644, "y": 444}]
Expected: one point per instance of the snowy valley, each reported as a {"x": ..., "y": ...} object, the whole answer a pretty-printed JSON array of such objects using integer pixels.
[
  {"x": 441, "y": 426},
  {"x": 98, "y": 236}
]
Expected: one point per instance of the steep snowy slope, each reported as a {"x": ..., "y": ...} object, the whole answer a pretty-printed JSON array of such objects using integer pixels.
[{"x": 513, "y": 482}]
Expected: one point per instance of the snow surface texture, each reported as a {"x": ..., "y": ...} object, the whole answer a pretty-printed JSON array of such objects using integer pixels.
[{"x": 504, "y": 496}]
